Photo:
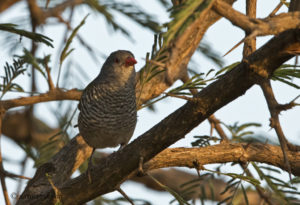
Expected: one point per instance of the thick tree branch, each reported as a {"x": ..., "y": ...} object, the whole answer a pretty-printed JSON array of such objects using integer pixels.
[
  {"x": 294, "y": 5},
  {"x": 5, "y": 4},
  {"x": 222, "y": 153},
  {"x": 120, "y": 165}
]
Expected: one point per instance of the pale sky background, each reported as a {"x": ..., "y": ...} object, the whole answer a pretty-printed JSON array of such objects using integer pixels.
[{"x": 221, "y": 37}]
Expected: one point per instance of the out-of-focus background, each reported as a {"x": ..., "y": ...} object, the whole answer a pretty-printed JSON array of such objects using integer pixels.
[{"x": 81, "y": 67}]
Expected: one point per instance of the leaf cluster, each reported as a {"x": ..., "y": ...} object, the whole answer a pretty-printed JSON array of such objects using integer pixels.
[
  {"x": 239, "y": 132},
  {"x": 208, "y": 52},
  {"x": 286, "y": 74},
  {"x": 182, "y": 15},
  {"x": 38, "y": 64},
  {"x": 132, "y": 11},
  {"x": 150, "y": 70},
  {"x": 284, "y": 192},
  {"x": 198, "y": 81},
  {"x": 12, "y": 71},
  {"x": 204, "y": 140},
  {"x": 12, "y": 28},
  {"x": 202, "y": 185}
]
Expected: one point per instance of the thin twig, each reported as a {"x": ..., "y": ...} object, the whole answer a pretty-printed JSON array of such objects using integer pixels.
[
  {"x": 11, "y": 175},
  {"x": 197, "y": 166},
  {"x": 89, "y": 48},
  {"x": 250, "y": 43},
  {"x": 50, "y": 82},
  {"x": 274, "y": 120},
  {"x": 156, "y": 63},
  {"x": 125, "y": 195},
  {"x": 290, "y": 105},
  {"x": 181, "y": 97},
  {"x": 276, "y": 9},
  {"x": 2, "y": 176},
  {"x": 234, "y": 47},
  {"x": 216, "y": 124}
]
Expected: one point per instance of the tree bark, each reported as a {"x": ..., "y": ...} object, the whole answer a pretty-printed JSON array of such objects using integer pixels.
[{"x": 116, "y": 168}]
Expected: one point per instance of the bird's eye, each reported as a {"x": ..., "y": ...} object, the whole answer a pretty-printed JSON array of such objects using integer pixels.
[{"x": 117, "y": 60}]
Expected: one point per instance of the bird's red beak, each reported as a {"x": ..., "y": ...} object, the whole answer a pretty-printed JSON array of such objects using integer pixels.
[{"x": 130, "y": 61}]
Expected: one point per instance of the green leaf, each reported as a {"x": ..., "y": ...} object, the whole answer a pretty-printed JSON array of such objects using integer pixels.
[
  {"x": 270, "y": 169},
  {"x": 286, "y": 74},
  {"x": 245, "y": 194},
  {"x": 224, "y": 200},
  {"x": 248, "y": 179},
  {"x": 136, "y": 14},
  {"x": 33, "y": 36},
  {"x": 247, "y": 125},
  {"x": 286, "y": 82},
  {"x": 172, "y": 192},
  {"x": 227, "y": 68},
  {"x": 101, "y": 8},
  {"x": 208, "y": 52},
  {"x": 11, "y": 73},
  {"x": 30, "y": 59},
  {"x": 65, "y": 52},
  {"x": 154, "y": 74},
  {"x": 182, "y": 16}
]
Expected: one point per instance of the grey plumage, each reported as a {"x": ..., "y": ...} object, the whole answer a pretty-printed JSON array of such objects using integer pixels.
[{"x": 108, "y": 106}]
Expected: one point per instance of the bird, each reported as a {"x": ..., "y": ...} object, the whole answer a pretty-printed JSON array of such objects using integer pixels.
[{"x": 108, "y": 113}]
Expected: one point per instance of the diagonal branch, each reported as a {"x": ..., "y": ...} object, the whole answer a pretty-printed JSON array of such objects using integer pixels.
[
  {"x": 258, "y": 27},
  {"x": 260, "y": 64}
]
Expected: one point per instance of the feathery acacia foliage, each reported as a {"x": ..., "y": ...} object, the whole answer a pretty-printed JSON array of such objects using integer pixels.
[
  {"x": 11, "y": 72},
  {"x": 31, "y": 35},
  {"x": 237, "y": 184},
  {"x": 182, "y": 16}
]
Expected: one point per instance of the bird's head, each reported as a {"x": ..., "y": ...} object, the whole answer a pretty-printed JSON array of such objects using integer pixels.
[{"x": 119, "y": 65}]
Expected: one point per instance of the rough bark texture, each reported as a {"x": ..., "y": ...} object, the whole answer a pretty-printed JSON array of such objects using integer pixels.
[
  {"x": 227, "y": 152},
  {"x": 118, "y": 166}
]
